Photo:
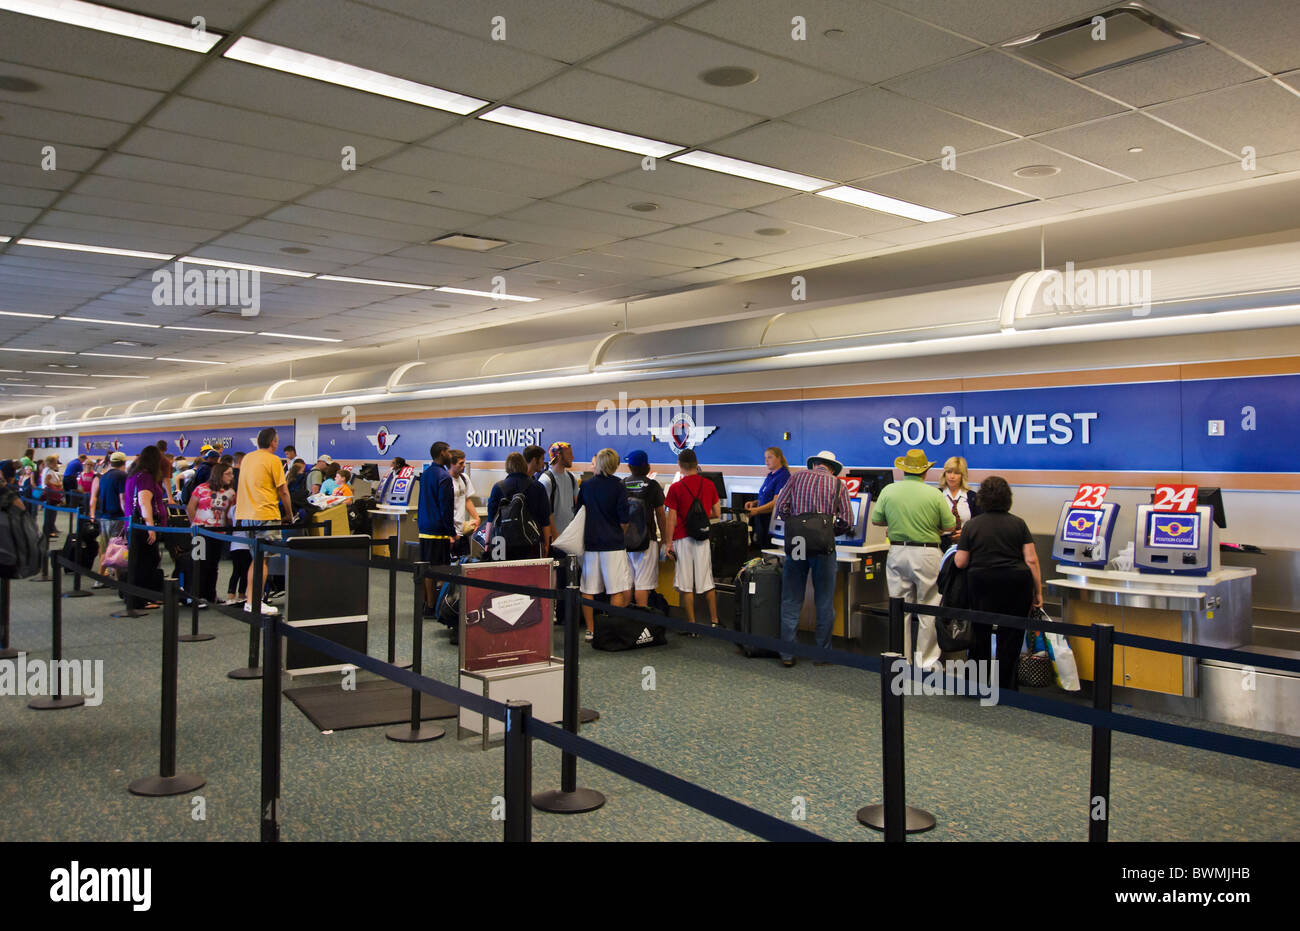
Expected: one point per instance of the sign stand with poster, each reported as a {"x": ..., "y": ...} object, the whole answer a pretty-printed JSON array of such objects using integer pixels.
[{"x": 505, "y": 644}]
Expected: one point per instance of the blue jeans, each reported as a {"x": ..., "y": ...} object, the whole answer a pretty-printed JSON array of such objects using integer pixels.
[{"x": 794, "y": 582}]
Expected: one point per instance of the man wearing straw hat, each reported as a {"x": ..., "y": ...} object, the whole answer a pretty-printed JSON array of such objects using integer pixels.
[{"x": 915, "y": 514}]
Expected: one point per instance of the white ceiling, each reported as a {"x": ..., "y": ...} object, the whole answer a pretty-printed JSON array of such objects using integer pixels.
[{"x": 175, "y": 152}]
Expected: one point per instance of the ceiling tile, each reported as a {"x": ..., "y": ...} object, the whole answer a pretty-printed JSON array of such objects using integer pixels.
[
  {"x": 177, "y": 148},
  {"x": 1261, "y": 115},
  {"x": 79, "y": 202},
  {"x": 799, "y": 149},
  {"x": 22, "y": 150},
  {"x": 821, "y": 212},
  {"x": 595, "y": 220},
  {"x": 746, "y": 225},
  {"x": 449, "y": 168},
  {"x": 12, "y": 194},
  {"x": 614, "y": 198},
  {"x": 998, "y": 165},
  {"x": 419, "y": 190},
  {"x": 673, "y": 59},
  {"x": 931, "y": 186},
  {"x": 1263, "y": 31},
  {"x": 351, "y": 223},
  {"x": 1120, "y": 194},
  {"x": 1180, "y": 73},
  {"x": 386, "y": 208},
  {"x": 659, "y": 9},
  {"x": 997, "y": 20},
  {"x": 219, "y": 15},
  {"x": 141, "y": 192},
  {"x": 70, "y": 94},
  {"x": 532, "y": 232},
  {"x": 36, "y": 123},
  {"x": 696, "y": 184},
  {"x": 30, "y": 175},
  {"x": 1107, "y": 143},
  {"x": 533, "y": 150},
  {"x": 135, "y": 168},
  {"x": 42, "y": 43},
  {"x": 701, "y": 240},
  {"x": 1211, "y": 177},
  {"x": 658, "y": 252}
]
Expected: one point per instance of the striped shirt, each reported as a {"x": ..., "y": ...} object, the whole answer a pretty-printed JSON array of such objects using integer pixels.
[{"x": 810, "y": 490}]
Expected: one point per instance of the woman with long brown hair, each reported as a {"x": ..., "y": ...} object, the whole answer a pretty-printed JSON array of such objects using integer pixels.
[{"x": 146, "y": 501}]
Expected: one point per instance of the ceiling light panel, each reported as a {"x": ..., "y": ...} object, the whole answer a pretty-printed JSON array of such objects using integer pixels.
[
  {"x": 103, "y": 250},
  {"x": 580, "y": 132},
  {"x": 750, "y": 170},
  {"x": 118, "y": 22},
  {"x": 883, "y": 204},
  {"x": 489, "y": 294},
  {"x": 265, "y": 269}
]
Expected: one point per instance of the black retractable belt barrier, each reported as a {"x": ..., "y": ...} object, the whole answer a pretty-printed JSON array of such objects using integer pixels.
[
  {"x": 252, "y": 670},
  {"x": 6, "y": 651},
  {"x": 415, "y": 731},
  {"x": 271, "y": 658},
  {"x": 56, "y": 699},
  {"x": 1099, "y": 778},
  {"x": 569, "y": 798},
  {"x": 519, "y": 772},
  {"x": 168, "y": 781},
  {"x": 896, "y": 622},
  {"x": 74, "y": 518},
  {"x": 193, "y": 584}
]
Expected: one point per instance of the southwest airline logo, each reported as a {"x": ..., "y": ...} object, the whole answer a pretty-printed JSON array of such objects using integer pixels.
[
  {"x": 382, "y": 440},
  {"x": 181, "y": 443},
  {"x": 683, "y": 433}
]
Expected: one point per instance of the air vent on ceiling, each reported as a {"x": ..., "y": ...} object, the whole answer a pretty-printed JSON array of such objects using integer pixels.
[
  {"x": 1108, "y": 40},
  {"x": 465, "y": 241}
]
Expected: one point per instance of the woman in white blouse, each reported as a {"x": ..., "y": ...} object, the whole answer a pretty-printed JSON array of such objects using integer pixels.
[{"x": 959, "y": 497}]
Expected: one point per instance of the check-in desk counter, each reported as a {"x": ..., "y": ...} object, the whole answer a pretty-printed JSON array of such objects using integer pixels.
[
  {"x": 387, "y": 521},
  {"x": 1213, "y": 609},
  {"x": 859, "y": 580}
]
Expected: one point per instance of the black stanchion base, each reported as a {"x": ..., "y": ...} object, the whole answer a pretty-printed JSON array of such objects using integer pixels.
[
  {"x": 8, "y": 653},
  {"x": 129, "y": 612},
  {"x": 245, "y": 672},
  {"x": 53, "y": 704},
  {"x": 196, "y": 638},
  {"x": 917, "y": 821},
  {"x": 568, "y": 803},
  {"x": 587, "y": 716},
  {"x": 76, "y": 593},
  {"x": 158, "y": 786},
  {"x": 408, "y": 735}
]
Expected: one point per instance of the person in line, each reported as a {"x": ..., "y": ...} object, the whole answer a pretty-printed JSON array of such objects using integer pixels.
[
  {"x": 331, "y": 479},
  {"x": 146, "y": 501},
  {"x": 641, "y": 487},
  {"x": 961, "y": 500},
  {"x": 518, "y": 481},
  {"x": 436, "y": 516},
  {"x": 201, "y": 474},
  {"x": 760, "y": 511},
  {"x": 86, "y": 482},
  {"x": 916, "y": 515},
  {"x": 467, "y": 519},
  {"x": 693, "y": 574},
  {"x": 75, "y": 467},
  {"x": 316, "y": 477},
  {"x": 52, "y": 481},
  {"x": 343, "y": 483},
  {"x": 290, "y": 454},
  {"x": 108, "y": 502},
  {"x": 296, "y": 478},
  {"x": 211, "y": 505},
  {"x": 604, "y": 563},
  {"x": 535, "y": 459},
  {"x": 166, "y": 480},
  {"x": 235, "y": 462},
  {"x": 1002, "y": 574},
  {"x": 815, "y": 490},
  {"x": 261, "y": 497},
  {"x": 561, "y": 486}
]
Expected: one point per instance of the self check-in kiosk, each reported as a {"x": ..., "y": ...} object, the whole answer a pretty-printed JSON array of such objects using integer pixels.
[
  {"x": 1083, "y": 535},
  {"x": 395, "y": 514},
  {"x": 1168, "y": 543},
  {"x": 856, "y": 535}
]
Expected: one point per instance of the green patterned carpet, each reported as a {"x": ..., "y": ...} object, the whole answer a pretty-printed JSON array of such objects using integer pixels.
[{"x": 749, "y": 729}]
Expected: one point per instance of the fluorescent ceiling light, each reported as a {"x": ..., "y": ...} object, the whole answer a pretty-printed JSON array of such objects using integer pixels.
[
  {"x": 208, "y": 329},
  {"x": 48, "y": 352},
  {"x": 15, "y": 313},
  {"x": 374, "y": 281},
  {"x": 899, "y": 208},
  {"x": 119, "y": 376},
  {"x": 734, "y": 166},
  {"x": 76, "y": 387},
  {"x": 4, "y": 238},
  {"x": 103, "y": 19},
  {"x": 218, "y": 263},
  {"x": 491, "y": 294},
  {"x": 31, "y": 395},
  {"x": 317, "y": 339},
  {"x": 194, "y": 361},
  {"x": 110, "y": 355},
  {"x": 82, "y": 247},
  {"x": 147, "y": 326},
  {"x": 293, "y": 61},
  {"x": 60, "y": 374},
  {"x": 581, "y": 132}
]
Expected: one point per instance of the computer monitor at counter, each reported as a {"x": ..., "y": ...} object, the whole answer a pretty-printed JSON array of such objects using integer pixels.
[{"x": 1208, "y": 496}]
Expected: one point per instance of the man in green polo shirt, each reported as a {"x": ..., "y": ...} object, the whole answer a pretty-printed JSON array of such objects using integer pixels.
[{"x": 915, "y": 514}]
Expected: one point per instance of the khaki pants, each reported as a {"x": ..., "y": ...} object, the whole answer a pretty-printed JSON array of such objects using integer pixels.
[{"x": 913, "y": 575}]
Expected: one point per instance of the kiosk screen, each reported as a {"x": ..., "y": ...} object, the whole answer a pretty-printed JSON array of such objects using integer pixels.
[
  {"x": 1081, "y": 526},
  {"x": 1173, "y": 531}
]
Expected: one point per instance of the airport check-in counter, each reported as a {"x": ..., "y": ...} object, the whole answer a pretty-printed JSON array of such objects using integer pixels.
[{"x": 397, "y": 513}]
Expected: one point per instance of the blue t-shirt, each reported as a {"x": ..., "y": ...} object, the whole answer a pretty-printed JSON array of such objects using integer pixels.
[
  {"x": 773, "y": 484},
  {"x": 437, "y": 506},
  {"x": 605, "y": 499},
  {"x": 112, "y": 484},
  {"x": 74, "y": 469}
]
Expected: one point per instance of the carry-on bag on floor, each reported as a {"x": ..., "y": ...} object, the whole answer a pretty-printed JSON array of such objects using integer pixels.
[
  {"x": 729, "y": 546},
  {"x": 758, "y": 602},
  {"x": 623, "y": 633}
]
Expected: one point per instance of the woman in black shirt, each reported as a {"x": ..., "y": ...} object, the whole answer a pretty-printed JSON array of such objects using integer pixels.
[{"x": 1002, "y": 576}]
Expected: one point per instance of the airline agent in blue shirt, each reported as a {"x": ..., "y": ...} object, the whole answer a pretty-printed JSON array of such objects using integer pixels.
[
  {"x": 760, "y": 511},
  {"x": 437, "y": 516}
]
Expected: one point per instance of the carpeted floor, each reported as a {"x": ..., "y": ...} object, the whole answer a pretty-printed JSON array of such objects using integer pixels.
[{"x": 749, "y": 729}]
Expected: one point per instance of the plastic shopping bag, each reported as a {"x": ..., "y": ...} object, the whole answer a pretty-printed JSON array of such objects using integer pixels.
[
  {"x": 115, "y": 554},
  {"x": 571, "y": 541},
  {"x": 1065, "y": 669}
]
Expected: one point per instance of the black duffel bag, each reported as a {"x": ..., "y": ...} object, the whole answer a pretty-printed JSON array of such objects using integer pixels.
[{"x": 617, "y": 633}]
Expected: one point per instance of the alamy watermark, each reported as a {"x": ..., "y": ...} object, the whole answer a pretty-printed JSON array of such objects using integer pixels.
[
  {"x": 1092, "y": 288},
  {"x": 954, "y": 677},
  {"x": 37, "y": 677},
  {"x": 179, "y": 286}
]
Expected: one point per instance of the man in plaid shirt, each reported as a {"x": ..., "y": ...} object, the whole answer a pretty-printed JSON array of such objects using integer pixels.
[{"x": 818, "y": 490}]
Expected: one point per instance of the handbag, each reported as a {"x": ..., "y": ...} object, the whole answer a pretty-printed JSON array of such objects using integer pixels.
[
  {"x": 115, "y": 554},
  {"x": 817, "y": 530},
  {"x": 954, "y": 634},
  {"x": 1060, "y": 653},
  {"x": 1035, "y": 666}
]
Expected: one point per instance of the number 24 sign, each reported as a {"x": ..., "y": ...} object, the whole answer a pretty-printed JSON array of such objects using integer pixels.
[
  {"x": 1180, "y": 499},
  {"x": 1090, "y": 496}
]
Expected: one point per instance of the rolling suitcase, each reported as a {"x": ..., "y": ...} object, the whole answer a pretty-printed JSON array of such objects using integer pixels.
[
  {"x": 729, "y": 548},
  {"x": 758, "y": 602}
]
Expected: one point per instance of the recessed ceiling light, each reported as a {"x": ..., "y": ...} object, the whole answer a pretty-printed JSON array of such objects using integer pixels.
[
  {"x": 314, "y": 339},
  {"x": 743, "y": 169},
  {"x": 218, "y": 263},
  {"x": 433, "y": 192},
  {"x": 74, "y": 387},
  {"x": 82, "y": 247},
  {"x": 194, "y": 361},
  {"x": 376, "y": 282},
  {"x": 123, "y": 376},
  {"x": 491, "y": 294},
  {"x": 771, "y": 231},
  {"x": 467, "y": 242},
  {"x": 208, "y": 329},
  {"x": 729, "y": 76},
  {"x": 294, "y": 250},
  {"x": 643, "y": 206},
  {"x": 834, "y": 33},
  {"x": 1037, "y": 171},
  {"x": 18, "y": 313},
  {"x": 118, "y": 22},
  {"x": 48, "y": 352},
  {"x": 1136, "y": 149},
  {"x": 147, "y": 326},
  {"x": 124, "y": 342},
  {"x": 111, "y": 355},
  {"x": 580, "y": 132},
  {"x": 883, "y": 204},
  {"x": 305, "y": 65},
  {"x": 15, "y": 84}
]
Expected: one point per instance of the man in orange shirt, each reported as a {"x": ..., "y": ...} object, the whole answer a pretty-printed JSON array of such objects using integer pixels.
[{"x": 263, "y": 491}]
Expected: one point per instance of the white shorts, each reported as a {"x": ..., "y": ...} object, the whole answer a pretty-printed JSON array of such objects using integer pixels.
[
  {"x": 605, "y": 571},
  {"x": 694, "y": 571},
  {"x": 645, "y": 568}
]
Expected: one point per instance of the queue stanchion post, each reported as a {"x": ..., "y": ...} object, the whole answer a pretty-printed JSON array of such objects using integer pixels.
[
  {"x": 392, "y": 604},
  {"x": 894, "y": 816},
  {"x": 77, "y": 591},
  {"x": 168, "y": 781},
  {"x": 271, "y": 723},
  {"x": 570, "y": 798},
  {"x": 56, "y": 699},
  {"x": 198, "y": 552},
  {"x": 1102, "y": 692},
  {"x": 132, "y": 558},
  {"x": 6, "y": 651},
  {"x": 45, "y": 542},
  {"x": 519, "y": 772},
  {"x": 415, "y": 731},
  {"x": 253, "y": 670}
]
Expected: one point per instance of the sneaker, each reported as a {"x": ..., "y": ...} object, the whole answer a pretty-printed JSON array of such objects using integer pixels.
[
  {"x": 589, "y": 636},
  {"x": 99, "y": 585},
  {"x": 203, "y": 605},
  {"x": 267, "y": 610},
  {"x": 232, "y": 600}
]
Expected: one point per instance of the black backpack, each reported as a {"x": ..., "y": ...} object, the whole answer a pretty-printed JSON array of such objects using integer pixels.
[
  {"x": 21, "y": 552},
  {"x": 637, "y": 537},
  {"x": 516, "y": 525},
  {"x": 697, "y": 520}
]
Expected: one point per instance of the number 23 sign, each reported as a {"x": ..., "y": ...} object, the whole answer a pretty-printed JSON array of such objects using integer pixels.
[
  {"x": 1090, "y": 496},
  {"x": 1180, "y": 499}
]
